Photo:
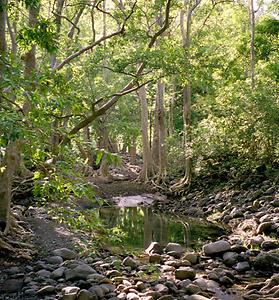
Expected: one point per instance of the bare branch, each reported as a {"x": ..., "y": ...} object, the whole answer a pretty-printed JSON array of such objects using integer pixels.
[
  {"x": 99, "y": 41},
  {"x": 66, "y": 18}
]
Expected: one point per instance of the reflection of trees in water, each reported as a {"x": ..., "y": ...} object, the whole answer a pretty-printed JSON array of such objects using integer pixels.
[{"x": 142, "y": 226}]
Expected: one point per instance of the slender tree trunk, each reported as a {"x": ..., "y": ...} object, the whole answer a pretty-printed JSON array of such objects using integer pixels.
[
  {"x": 133, "y": 151},
  {"x": 12, "y": 32},
  {"x": 252, "y": 42},
  {"x": 3, "y": 43},
  {"x": 104, "y": 144},
  {"x": 147, "y": 168},
  {"x": 76, "y": 20},
  {"x": 7, "y": 170},
  {"x": 171, "y": 112},
  {"x": 30, "y": 57},
  {"x": 155, "y": 140},
  {"x": 58, "y": 21},
  {"x": 186, "y": 35},
  {"x": 162, "y": 131}
]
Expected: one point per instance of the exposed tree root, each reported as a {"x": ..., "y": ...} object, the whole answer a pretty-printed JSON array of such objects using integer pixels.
[{"x": 181, "y": 185}]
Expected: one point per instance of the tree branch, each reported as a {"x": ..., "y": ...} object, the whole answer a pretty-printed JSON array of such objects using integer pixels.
[
  {"x": 99, "y": 41},
  {"x": 129, "y": 87}
]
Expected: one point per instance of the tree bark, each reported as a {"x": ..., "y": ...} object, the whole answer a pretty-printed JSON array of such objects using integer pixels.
[
  {"x": 252, "y": 42},
  {"x": 3, "y": 43},
  {"x": 76, "y": 20},
  {"x": 10, "y": 165},
  {"x": 147, "y": 168}
]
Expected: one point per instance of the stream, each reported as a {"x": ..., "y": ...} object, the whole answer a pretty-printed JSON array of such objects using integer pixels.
[{"x": 138, "y": 225}]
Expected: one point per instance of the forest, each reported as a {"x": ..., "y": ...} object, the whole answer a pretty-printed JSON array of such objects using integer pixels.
[{"x": 131, "y": 127}]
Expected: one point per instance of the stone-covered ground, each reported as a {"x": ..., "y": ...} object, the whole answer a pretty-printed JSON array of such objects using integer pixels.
[{"x": 242, "y": 265}]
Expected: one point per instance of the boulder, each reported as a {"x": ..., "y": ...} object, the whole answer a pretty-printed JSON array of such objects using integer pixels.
[
  {"x": 130, "y": 262},
  {"x": 174, "y": 248},
  {"x": 185, "y": 273},
  {"x": 70, "y": 292},
  {"x": 79, "y": 272},
  {"x": 65, "y": 253},
  {"x": 216, "y": 248},
  {"x": 153, "y": 248},
  {"x": 266, "y": 261}
]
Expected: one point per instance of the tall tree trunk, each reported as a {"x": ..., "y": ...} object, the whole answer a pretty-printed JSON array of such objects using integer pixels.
[
  {"x": 252, "y": 42},
  {"x": 12, "y": 32},
  {"x": 133, "y": 151},
  {"x": 147, "y": 168},
  {"x": 3, "y": 43},
  {"x": 189, "y": 8},
  {"x": 162, "y": 131},
  {"x": 58, "y": 21},
  {"x": 76, "y": 20},
  {"x": 155, "y": 139},
  {"x": 9, "y": 166}
]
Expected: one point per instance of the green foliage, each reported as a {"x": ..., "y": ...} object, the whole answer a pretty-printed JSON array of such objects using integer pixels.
[{"x": 42, "y": 34}]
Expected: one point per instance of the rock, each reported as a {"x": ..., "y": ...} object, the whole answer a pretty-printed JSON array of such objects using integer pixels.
[
  {"x": 216, "y": 248},
  {"x": 242, "y": 266},
  {"x": 96, "y": 278},
  {"x": 266, "y": 261},
  {"x": 154, "y": 248},
  {"x": 161, "y": 288},
  {"x": 70, "y": 292},
  {"x": 58, "y": 273},
  {"x": 175, "y": 249},
  {"x": 98, "y": 291},
  {"x": 166, "y": 297},
  {"x": 269, "y": 245},
  {"x": 55, "y": 260},
  {"x": 130, "y": 262},
  {"x": 86, "y": 295},
  {"x": 230, "y": 258},
  {"x": 12, "y": 285},
  {"x": 275, "y": 203},
  {"x": 49, "y": 289},
  {"x": 79, "y": 272},
  {"x": 226, "y": 281},
  {"x": 191, "y": 257},
  {"x": 65, "y": 253},
  {"x": 192, "y": 289},
  {"x": 264, "y": 227},
  {"x": 255, "y": 241},
  {"x": 155, "y": 258},
  {"x": 133, "y": 296},
  {"x": 43, "y": 273},
  {"x": 197, "y": 297},
  {"x": 185, "y": 273}
]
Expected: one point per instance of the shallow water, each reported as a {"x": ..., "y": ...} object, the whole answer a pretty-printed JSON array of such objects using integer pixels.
[{"x": 139, "y": 226}]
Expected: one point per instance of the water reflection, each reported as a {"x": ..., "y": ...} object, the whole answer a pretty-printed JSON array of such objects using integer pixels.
[{"x": 141, "y": 226}]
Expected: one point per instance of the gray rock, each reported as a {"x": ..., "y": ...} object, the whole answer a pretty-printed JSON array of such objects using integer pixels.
[
  {"x": 12, "y": 285},
  {"x": 95, "y": 278},
  {"x": 79, "y": 272},
  {"x": 130, "y": 262},
  {"x": 161, "y": 288},
  {"x": 269, "y": 245},
  {"x": 55, "y": 260},
  {"x": 191, "y": 257},
  {"x": 43, "y": 273},
  {"x": 49, "y": 289},
  {"x": 98, "y": 291},
  {"x": 275, "y": 203},
  {"x": 192, "y": 289},
  {"x": 70, "y": 292},
  {"x": 264, "y": 227},
  {"x": 242, "y": 266},
  {"x": 65, "y": 253},
  {"x": 133, "y": 296},
  {"x": 155, "y": 258},
  {"x": 216, "y": 247},
  {"x": 174, "y": 248},
  {"x": 185, "y": 273},
  {"x": 230, "y": 258},
  {"x": 197, "y": 297},
  {"x": 154, "y": 248},
  {"x": 166, "y": 297},
  {"x": 86, "y": 295},
  {"x": 266, "y": 261},
  {"x": 58, "y": 273}
]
